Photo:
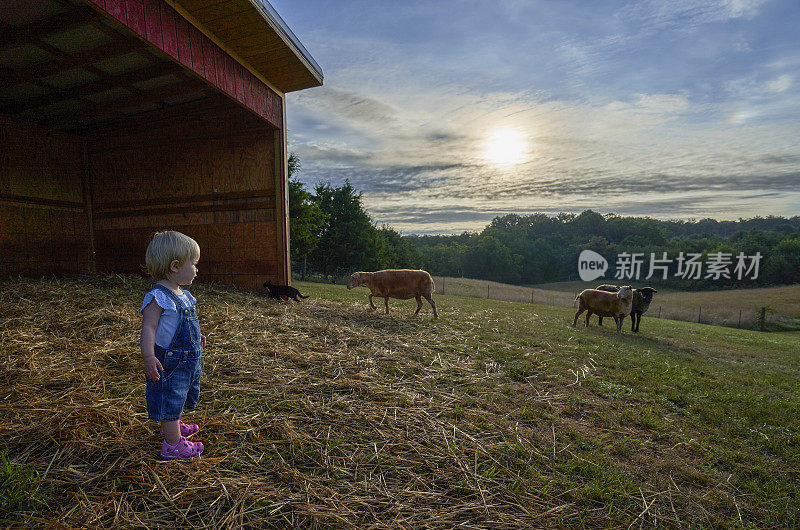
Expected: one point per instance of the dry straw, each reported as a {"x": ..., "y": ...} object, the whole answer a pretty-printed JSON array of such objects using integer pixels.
[
  {"x": 318, "y": 414},
  {"x": 309, "y": 412}
]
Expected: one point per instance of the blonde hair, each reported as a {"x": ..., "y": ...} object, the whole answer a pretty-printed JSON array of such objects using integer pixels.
[{"x": 167, "y": 246}]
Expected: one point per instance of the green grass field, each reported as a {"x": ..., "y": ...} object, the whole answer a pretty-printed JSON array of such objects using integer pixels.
[{"x": 328, "y": 414}]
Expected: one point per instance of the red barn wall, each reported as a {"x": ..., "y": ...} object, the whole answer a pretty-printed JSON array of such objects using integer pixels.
[{"x": 43, "y": 219}]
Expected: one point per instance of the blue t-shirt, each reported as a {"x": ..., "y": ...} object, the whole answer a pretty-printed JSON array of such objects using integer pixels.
[{"x": 168, "y": 322}]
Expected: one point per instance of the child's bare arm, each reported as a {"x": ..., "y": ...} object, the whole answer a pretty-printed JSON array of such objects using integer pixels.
[{"x": 150, "y": 315}]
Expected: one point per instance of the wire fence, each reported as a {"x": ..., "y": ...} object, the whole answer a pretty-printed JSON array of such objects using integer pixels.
[{"x": 748, "y": 316}]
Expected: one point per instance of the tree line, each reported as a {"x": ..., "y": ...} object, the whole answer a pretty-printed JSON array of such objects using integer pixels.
[
  {"x": 332, "y": 235},
  {"x": 538, "y": 248}
]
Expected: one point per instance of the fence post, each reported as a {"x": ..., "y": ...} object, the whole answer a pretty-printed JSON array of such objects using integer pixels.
[
  {"x": 659, "y": 311},
  {"x": 487, "y": 290},
  {"x": 700, "y": 312},
  {"x": 763, "y": 319},
  {"x": 442, "y": 284},
  {"x": 740, "y": 319},
  {"x": 531, "y": 295}
]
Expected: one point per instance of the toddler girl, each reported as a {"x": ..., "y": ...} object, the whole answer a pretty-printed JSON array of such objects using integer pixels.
[{"x": 171, "y": 341}]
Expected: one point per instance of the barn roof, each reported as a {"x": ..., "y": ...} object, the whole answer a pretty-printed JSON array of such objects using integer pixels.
[
  {"x": 88, "y": 65},
  {"x": 253, "y": 31}
]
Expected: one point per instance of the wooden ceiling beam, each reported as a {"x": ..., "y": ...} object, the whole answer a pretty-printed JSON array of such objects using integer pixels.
[
  {"x": 105, "y": 76},
  {"x": 195, "y": 5},
  {"x": 124, "y": 80},
  {"x": 137, "y": 123},
  {"x": 12, "y": 35},
  {"x": 9, "y": 77},
  {"x": 116, "y": 108}
]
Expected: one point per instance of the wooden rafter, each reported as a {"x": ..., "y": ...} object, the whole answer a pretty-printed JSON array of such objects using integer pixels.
[
  {"x": 35, "y": 31},
  {"x": 116, "y": 109},
  {"x": 151, "y": 119},
  {"x": 52, "y": 50},
  {"x": 198, "y": 63},
  {"x": 9, "y": 77},
  {"x": 113, "y": 81}
]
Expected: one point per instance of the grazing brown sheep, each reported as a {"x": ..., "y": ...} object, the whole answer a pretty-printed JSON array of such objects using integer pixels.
[
  {"x": 641, "y": 303},
  {"x": 608, "y": 287},
  {"x": 617, "y": 305},
  {"x": 402, "y": 284}
]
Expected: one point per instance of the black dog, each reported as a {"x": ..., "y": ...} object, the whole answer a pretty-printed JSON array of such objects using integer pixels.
[{"x": 283, "y": 292}]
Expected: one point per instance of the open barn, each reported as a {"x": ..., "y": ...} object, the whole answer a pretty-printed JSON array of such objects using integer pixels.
[{"x": 119, "y": 118}]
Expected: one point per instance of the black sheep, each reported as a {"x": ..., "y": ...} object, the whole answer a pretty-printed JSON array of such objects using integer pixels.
[{"x": 641, "y": 303}]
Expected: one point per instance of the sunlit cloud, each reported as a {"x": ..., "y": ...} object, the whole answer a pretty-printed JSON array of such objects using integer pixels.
[
  {"x": 685, "y": 106},
  {"x": 780, "y": 84}
]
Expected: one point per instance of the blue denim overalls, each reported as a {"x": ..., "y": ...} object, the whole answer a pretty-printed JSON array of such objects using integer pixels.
[{"x": 179, "y": 386}]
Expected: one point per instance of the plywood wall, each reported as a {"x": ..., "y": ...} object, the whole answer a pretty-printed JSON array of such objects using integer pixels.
[
  {"x": 70, "y": 204},
  {"x": 212, "y": 178},
  {"x": 43, "y": 219}
]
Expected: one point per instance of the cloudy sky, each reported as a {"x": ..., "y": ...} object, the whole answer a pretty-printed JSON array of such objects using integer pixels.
[{"x": 448, "y": 113}]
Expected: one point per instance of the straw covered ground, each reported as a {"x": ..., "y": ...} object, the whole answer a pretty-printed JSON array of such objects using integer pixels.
[{"x": 324, "y": 414}]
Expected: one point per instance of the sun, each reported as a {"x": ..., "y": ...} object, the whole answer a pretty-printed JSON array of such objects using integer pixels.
[{"x": 504, "y": 147}]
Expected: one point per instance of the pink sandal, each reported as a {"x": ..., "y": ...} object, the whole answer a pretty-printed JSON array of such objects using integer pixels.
[
  {"x": 183, "y": 450},
  {"x": 187, "y": 429}
]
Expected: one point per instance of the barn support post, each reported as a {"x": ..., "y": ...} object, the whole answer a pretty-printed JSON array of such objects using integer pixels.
[
  {"x": 282, "y": 199},
  {"x": 88, "y": 205}
]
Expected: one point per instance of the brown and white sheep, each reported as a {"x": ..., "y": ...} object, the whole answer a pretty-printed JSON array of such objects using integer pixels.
[
  {"x": 604, "y": 303},
  {"x": 402, "y": 284},
  {"x": 641, "y": 303}
]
